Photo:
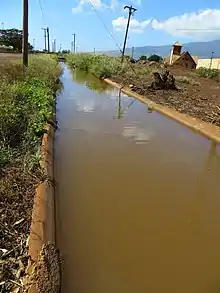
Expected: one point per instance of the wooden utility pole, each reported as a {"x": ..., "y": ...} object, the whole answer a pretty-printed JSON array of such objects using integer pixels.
[
  {"x": 132, "y": 53},
  {"x": 48, "y": 39},
  {"x": 74, "y": 43},
  {"x": 131, "y": 12},
  {"x": 25, "y": 33},
  {"x": 45, "y": 39},
  {"x": 210, "y": 65},
  {"x": 54, "y": 45},
  {"x": 33, "y": 44}
]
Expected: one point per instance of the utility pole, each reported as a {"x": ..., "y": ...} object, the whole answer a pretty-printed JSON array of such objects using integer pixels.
[
  {"x": 210, "y": 65},
  {"x": 33, "y": 44},
  {"x": 131, "y": 12},
  {"x": 25, "y": 33},
  {"x": 132, "y": 53},
  {"x": 48, "y": 40},
  {"x": 74, "y": 43},
  {"x": 45, "y": 39},
  {"x": 54, "y": 45}
]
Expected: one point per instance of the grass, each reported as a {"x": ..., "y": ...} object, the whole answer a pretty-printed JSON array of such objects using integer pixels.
[
  {"x": 27, "y": 101},
  {"x": 187, "y": 80},
  {"x": 101, "y": 66}
]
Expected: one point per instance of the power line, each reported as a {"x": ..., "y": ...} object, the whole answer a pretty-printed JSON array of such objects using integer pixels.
[
  {"x": 105, "y": 26},
  {"x": 42, "y": 11}
]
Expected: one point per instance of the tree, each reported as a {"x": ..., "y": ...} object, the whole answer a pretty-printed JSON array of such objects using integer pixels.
[
  {"x": 66, "y": 52},
  {"x": 155, "y": 58},
  {"x": 13, "y": 37},
  {"x": 143, "y": 58}
]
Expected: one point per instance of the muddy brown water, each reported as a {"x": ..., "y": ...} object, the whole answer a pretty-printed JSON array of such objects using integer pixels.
[{"x": 138, "y": 196}]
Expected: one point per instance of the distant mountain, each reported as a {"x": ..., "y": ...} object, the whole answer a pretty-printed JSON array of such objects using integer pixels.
[{"x": 201, "y": 49}]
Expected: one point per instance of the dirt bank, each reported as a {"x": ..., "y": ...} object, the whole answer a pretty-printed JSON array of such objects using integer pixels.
[{"x": 197, "y": 96}]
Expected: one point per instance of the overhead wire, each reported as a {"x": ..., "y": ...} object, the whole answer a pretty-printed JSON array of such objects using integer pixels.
[
  {"x": 42, "y": 11},
  {"x": 111, "y": 35}
]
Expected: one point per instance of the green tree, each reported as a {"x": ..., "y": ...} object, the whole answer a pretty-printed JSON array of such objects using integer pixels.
[
  {"x": 155, "y": 58},
  {"x": 12, "y": 37},
  {"x": 143, "y": 58}
]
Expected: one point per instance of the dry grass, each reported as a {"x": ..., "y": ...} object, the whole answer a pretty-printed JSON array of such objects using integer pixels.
[
  {"x": 10, "y": 57},
  {"x": 187, "y": 80}
]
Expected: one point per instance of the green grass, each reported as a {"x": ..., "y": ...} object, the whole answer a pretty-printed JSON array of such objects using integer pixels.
[
  {"x": 27, "y": 101},
  {"x": 101, "y": 66}
]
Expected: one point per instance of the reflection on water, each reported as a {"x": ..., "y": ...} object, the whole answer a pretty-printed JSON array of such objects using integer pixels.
[
  {"x": 138, "y": 197},
  {"x": 91, "y": 81}
]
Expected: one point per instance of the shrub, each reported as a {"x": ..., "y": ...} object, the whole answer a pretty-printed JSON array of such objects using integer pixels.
[
  {"x": 143, "y": 58},
  {"x": 155, "y": 58},
  {"x": 99, "y": 65},
  {"x": 207, "y": 72}
]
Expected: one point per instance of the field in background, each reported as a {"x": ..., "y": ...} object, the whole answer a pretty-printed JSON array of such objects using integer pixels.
[{"x": 10, "y": 57}]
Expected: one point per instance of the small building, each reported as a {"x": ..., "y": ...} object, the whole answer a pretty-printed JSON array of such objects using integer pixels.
[
  {"x": 183, "y": 59},
  {"x": 212, "y": 63}
]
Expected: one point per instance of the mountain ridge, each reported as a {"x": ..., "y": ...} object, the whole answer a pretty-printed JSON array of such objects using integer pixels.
[{"x": 200, "y": 49}]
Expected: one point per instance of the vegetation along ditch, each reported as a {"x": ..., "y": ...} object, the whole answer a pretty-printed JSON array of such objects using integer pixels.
[{"x": 27, "y": 102}]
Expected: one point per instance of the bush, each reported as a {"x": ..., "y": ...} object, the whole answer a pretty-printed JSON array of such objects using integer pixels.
[
  {"x": 155, "y": 58},
  {"x": 143, "y": 58},
  {"x": 207, "y": 72},
  {"x": 99, "y": 65}
]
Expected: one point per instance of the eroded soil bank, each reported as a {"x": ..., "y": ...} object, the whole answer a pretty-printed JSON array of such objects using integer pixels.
[{"x": 197, "y": 96}]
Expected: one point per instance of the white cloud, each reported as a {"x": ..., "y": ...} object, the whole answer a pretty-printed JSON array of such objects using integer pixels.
[
  {"x": 208, "y": 19},
  {"x": 97, "y": 4},
  {"x": 136, "y": 26}
]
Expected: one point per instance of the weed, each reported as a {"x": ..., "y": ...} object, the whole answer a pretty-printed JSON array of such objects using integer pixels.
[
  {"x": 187, "y": 80},
  {"x": 207, "y": 72}
]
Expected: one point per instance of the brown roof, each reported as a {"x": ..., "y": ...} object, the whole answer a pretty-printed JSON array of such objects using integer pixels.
[
  {"x": 195, "y": 58},
  {"x": 178, "y": 44},
  {"x": 176, "y": 57}
]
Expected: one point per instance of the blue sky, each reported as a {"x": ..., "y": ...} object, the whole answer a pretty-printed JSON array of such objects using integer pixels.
[{"x": 154, "y": 23}]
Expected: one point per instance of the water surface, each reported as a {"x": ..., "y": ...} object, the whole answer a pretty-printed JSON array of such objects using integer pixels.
[{"x": 138, "y": 196}]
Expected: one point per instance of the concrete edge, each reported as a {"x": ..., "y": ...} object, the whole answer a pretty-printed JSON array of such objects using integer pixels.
[
  {"x": 206, "y": 129},
  {"x": 42, "y": 230}
]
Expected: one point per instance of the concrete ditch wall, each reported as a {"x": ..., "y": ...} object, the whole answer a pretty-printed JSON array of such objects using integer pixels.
[
  {"x": 208, "y": 130},
  {"x": 44, "y": 262}
]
